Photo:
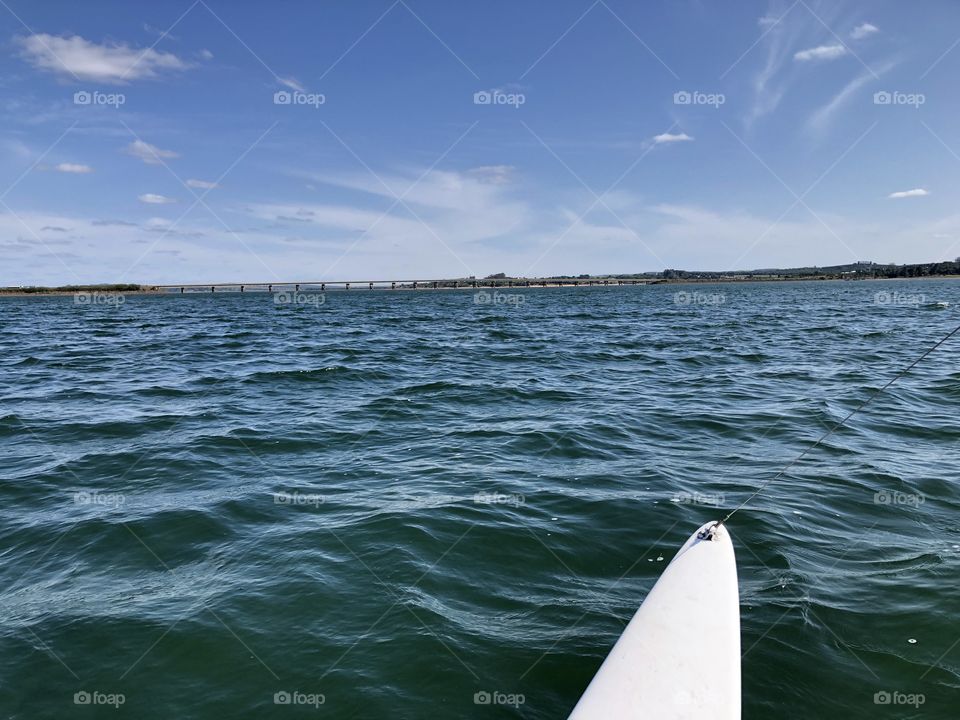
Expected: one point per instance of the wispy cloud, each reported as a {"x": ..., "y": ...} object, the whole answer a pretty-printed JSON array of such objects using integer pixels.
[
  {"x": 671, "y": 138},
  {"x": 112, "y": 223},
  {"x": 73, "y": 168},
  {"x": 863, "y": 30},
  {"x": 822, "y": 52},
  {"x": 495, "y": 174},
  {"x": 150, "y": 154},
  {"x": 291, "y": 83},
  {"x": 77, "y": 58},
  {"x": 916, "y": 192},
  {"x": 769, "y": 87},
  {"x": 822, "y": 117},
  {"x": 201, "y": 184},
  {"x": 154, "y": 199}
]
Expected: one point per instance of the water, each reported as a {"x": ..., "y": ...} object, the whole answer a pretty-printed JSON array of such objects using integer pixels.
[{"x": 398, "y": 500}]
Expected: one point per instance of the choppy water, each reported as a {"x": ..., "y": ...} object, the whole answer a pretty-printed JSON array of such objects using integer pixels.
[{"x": 210, "y": 500}]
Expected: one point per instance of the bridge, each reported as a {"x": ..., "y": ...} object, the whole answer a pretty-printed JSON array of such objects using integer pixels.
[{"x": 448, "y": 284}]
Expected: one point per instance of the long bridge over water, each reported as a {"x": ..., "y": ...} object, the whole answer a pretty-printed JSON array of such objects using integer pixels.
[{"x": 457, "y": 284}]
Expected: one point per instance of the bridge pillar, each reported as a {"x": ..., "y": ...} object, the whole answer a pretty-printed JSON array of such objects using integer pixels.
[
  {"x": 371, "y": 286},
  {"x": 212, "y": 288},
  {"x": 346, "y": 286},
  {"x": 393, "y": 286}
]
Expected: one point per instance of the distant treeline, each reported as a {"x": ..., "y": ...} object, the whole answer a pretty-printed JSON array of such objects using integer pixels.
[
  {"x": 852, "y": 270},
  {"x": 37, "y": 290}
]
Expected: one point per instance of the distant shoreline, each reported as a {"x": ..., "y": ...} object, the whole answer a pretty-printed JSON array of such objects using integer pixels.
[{"x": 487, "y": 284}]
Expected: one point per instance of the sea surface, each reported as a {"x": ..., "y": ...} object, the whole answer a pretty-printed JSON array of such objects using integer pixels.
[{"x": 434, "y": 504}]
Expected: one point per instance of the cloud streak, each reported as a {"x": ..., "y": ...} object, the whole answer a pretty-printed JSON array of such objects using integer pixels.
[
  {"x": 667, "y": 138},
  {"x": 150, "y": 154},
  {"x": 74, "y": 168},
  {"x": 154, "y": 199},
  {"x": 822, "y": 52},
  {"x": 916, "y": 192}
]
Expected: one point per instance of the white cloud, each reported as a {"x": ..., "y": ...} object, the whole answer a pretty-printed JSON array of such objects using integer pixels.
[
  {"x": 823, "y": 52},
  {"x": 154, "y": 199},
  {"x": 81, "y": 59},
  {"x": 671, "y": 138},
  {"x": 862, "y": 31},
  {"x": 150, "y": 154},
  {"x": 73, "y": 168},
  {"x": 205, "y": 54},
  {"x": 916, "y": 192},
  {"x": 201, "y": 184}
]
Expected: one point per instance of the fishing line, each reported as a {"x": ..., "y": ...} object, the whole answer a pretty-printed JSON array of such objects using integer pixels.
[{"x": 840, "y": 424}]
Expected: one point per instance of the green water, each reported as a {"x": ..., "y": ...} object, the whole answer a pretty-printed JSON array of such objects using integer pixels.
[{"x": 391, "y": 502}]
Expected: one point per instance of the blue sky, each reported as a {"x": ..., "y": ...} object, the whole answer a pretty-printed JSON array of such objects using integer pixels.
[{"x": 224, "y": 141}]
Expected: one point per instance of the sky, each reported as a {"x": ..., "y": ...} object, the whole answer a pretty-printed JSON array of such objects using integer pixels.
[{"x": 214, "y": 141}]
